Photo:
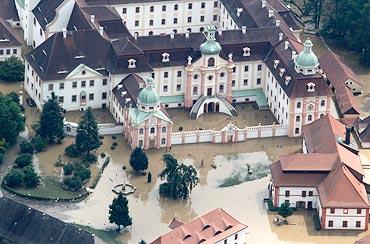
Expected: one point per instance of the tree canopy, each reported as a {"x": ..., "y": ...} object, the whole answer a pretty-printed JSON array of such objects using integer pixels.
[
  {"x": 180, "y": 179},
  {"x": 12, "y": 69},
  {"x": 119, "y": 213},
  {"x": 138, "y": 160},
  {"x": 87, "y": 138},
  {"x": 50, "y": 125},
  {"x": 285, "y": 210}
]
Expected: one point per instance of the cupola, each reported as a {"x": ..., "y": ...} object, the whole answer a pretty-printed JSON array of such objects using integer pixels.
[
  {"x": 211, "y": 46},
  {"x": 148, "y": 99},
  {"x": 306, "y": 62}
]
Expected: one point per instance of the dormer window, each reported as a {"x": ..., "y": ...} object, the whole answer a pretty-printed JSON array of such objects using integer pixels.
[
  {"x": 165, "y": 57},
  {"x": 246, "y": 52},
  {"x": 310, "y": 87},
  {"x": 282, "y": 71},
  {"x": 287, "y": 79},
  {"x": 276, "y": 63},
  {"x": 132, "y": 63}
]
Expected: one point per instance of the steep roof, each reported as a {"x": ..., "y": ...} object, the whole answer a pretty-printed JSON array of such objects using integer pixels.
[
  {"x": 128, "y": 89},
  {"x": 22, "y": 224},
  {"x": 8, "y": 37},
  {"x": 342, "y": 190},
  {"x": 308, "y": 162},
  {"x": 204, "y": 228},
  {"x": 58, "y": 56},
  {"x": 8, "y": 11},
  {"x": 363, "y": 129},
  {"x": 45, "y": 11}
]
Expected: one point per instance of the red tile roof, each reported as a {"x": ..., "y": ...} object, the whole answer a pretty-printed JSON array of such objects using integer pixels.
[
  {"x": 211, "y": 227},
  {"x": 308, "y": 162}
]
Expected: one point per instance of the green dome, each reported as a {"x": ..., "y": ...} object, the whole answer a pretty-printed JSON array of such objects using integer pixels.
[
  {"x": 149, "y": 96},
  {"x": 211, "y": 46},
  {"x": 306, "y": 58}
]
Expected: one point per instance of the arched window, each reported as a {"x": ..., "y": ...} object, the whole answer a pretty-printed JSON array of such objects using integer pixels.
[
  {"x": 296, "y": 131},
  {"x": 164, "y": 129},
  {"x": 201, "y": 29},
  {"x": 163, "y": 141},
  {"x": 221, "y": 88},
  {"x": 299, "y": 104},
  {"x": 195, "y": 90},
  {"x": 309, "y": 117},
  {"x": 211, "y": 62},
  {"x": 297, "y": 118},
  {"x": 152, "y": 130},
  {"x": 141, "y": 143},
  {"x": 141, "y": 131},
  {"x": 322, "y": 103}
]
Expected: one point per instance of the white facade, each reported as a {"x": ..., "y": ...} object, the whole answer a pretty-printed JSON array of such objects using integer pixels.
[
  {"x": 298, "y": 197},
  {"x": 235, "y": 238},
  {"x": 8, "y": 52}
]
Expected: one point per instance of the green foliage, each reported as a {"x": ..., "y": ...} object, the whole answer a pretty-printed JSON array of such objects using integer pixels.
[
  {"x": 138, "y": 160},
  {"x": 14, "y": 97},
  {"x": 23, "y": 160},
  {"x": 26, "y": 147},
  {"x": 87, "y": 137},
  {"x": 38, "y": 143},
  {"x": 285, "y": 210},
  {"x": 68, "y": 169},
  {"x": 81, "y": 172},
  {"x": 316, "y": 222},
  {"x": 2, "y": 158},
  {"x": 271, "y": 206},
  {"x": 72, "y": 151},
  {"x": 11, "y": 120},
  {"x": 14, "y": 178},
  {"x": 12, "y": 69},
  {"x": 30, "y": 179},
  {"x": 73, "y": 184},
  {"x": 180, "y": 179},
  {"x": 50, "y": 125},
  {"x": 142, "y": 242},
  {"x": 119, "y": 213},
  {"x": 90, "y": 159}
]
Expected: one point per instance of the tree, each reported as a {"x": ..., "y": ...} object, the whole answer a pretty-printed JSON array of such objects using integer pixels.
[
  {"x": 50, "y": 125},
  {"x": 119, "y": 213},
  {"x": 68, "y": 169},
  {"x": 38, "y": 143},
  {"x": 2, "y": 158},
  {"x": 73, "y": 184},
  {"x": 14, "y": 178},
  {"x": 87, "y": 137},
  {"x": 180, "y": 179},
  {"x": 26, "y": 147},
  {"x": 72, "y": 151},
  {"x": 12, "y": 69},
  {"x": 11, "y": 120},
  {"x": 138, "y": 160},
  {"x": 23, "y": 160},
  {"x": 285, "y": 210},
  {"x": 14, "y": 97},
  {"x": 30, "y": 179}
]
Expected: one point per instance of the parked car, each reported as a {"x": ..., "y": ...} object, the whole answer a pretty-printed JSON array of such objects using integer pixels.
[{"x": 30, "y": 102}]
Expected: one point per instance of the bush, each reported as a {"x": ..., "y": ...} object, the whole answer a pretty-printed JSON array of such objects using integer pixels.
[
  {"x": 26, "y": 147},
  {"x": 14, "y": 178},
  {"x": 72, "y": 151},
  {"x": 271, "y": 206},
  {"x": 101, "y": 137},
  {"x": 30, "y": 179},
  {"x": 39, "y": 143},
  {"x": 90, "y": 159},
  {"x": 23, "y": 160},
  {"x": 12, "y": 69},
  {"x": 68, "y": 169},
  {"x": 74, "y": 183},
  {"x": 82, "y": 172},
  {"x": 2, "y": 158},
  {"x": 316, "y": 221}
]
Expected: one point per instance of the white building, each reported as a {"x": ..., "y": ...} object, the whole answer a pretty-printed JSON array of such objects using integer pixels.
[{"x": 10, "y": 45}]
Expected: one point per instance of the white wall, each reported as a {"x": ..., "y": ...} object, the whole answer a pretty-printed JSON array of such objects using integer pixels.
[
  {"x": 296, "y": 195},
  {"x": 235, "y": 238},
  {"x": 8, "y": 52}
]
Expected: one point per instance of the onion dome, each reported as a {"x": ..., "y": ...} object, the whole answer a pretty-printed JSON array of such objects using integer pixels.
[
  {"x": 148, "y": 98},
  {"x": 306, "y": 61},
  {"x": 211, "y": 46}
]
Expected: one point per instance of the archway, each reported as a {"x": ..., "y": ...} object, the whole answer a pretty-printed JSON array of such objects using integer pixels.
[
  {"x": 211, "y": 107},
  {"x": 217, "y": 107},
  {"x": 205, "y": 106}
]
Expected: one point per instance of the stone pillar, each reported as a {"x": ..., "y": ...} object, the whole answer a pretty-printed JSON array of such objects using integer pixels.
[
  {"x": 169, "y": 135},
  {"x": 146, "y": 137},
  {"x": 158, "y": 134},
  {"x": 134, "y": 138},
  {"x": 202, "y": 83},
  {"x": 188, "y": 88},
  {"x": 224, "y": 136}
]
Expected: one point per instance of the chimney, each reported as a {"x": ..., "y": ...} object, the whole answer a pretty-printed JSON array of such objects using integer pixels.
[
  {"x": 271, "y": 13},
  {"x": 286, "y": 46},
  {"x": 239, "y": 11},
  {"x": 64, "y": 32},
  {"x": 244, "y": 29},
  {"x": 172, "y": 35},
  {"x": 220, "y": 31},
  {"x": 288, "y": 6},
  {"x": 101, "y": 30},
  {"x": 187, "y": 34},
  {"x": 277, "y": 22},
  {"x": 294, "y": 54},
  {"x": 263, "y": 3},
  {"x": 281, "y": 35},
  {"x": 348, "y": 135},
  {"x": 92, "y": 18},
  {"x": 136, "y": 35}
]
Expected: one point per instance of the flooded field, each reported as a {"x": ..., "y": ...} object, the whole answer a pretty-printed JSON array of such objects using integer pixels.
[
  {"x": 102, "y": 116},
  {"x": 247, "y": 116}
]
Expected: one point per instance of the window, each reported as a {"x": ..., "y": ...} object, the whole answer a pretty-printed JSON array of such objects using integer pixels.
[
  {"x": 8, "y": 51},
  {"x": 233, "y": 83},
  {"x": 234, "y": 69},
  {"x": 299, "y": 104},
  {"x": 14, "y": 51},
  {"x": 303, "y": 193},
  {"x": 124, "y": 10},
  {"x": 137, "y": 10},
  {"x": 332, "y": 210},
  {"x": 195, "y": 77},
  {"x": 211, "y": 62},
  {"x": 359, "y": 211},
  {"x": 178, "y": 87},
  {"x": 151, "y": 22},
  {"x": 297, "y": 118},
  {"x": 203, "y": 5},
  {"x": 259, "y": 67},
  {"x": 131, "y": 63},
  {"x": 345, "y": 211},
  {"x": 179, "y": 73},
  {"x": 287, "y": 193},
  {"x": 91, "y": 96},
  {"x": 235, "y": 236},
  {"x": 74, "y": 84},
  {"x": 105, "y": 81},
  {"x": 225, "y": 241},
  {"x": 215, "y": 17},
  {"x": 358, "y": 224},
  {"x": 190, "y": 6},
  {"x": 202, "y": 18},
  {"x": 215, "y": 4},
  {"x": 309, "y": 118},
  {"x": 310, "y": 193},
  {"x": 245, "y": 82},
  {"x": 152, "y": 130},
  {"x": 222, "y": 74},
  {"x": 165, "y": 88},
  {"x": 91, "y": 83},
  {"x": 344, "y": 224},
  {"x": 74, "y": 98},
  {"x": 195, "y": 90},
  {"x": 164, "y": 129},
  {"x": 165, "y": 74},
  {"x": 104, "y": 95},
  {"x": 258, "y": 81},
  {"x": 151, "y": 9},
  {"x": 163, "y": 141},
  {"x": 61, "y": 99},
  {"x": 210, "y": 77},
  {"x": 141, "y": 131},
  {"x": 141, "y": 143},
  {"x": 189, "y": 19},
  {"x": 163, "y": 8},
  {"x": 246, "y": 68},
  {"x": 175, "y": 22},
  {"x": 83, "y": 83},
  {"x": 136, "y": 23},
  {"x": 322, "y": 103},
  {"x": 150, "y": 33},
  {"x": 296, "y": 131},
  {"x": 176, "y": 7},
  {"x": 330, "y": 224},
  {"x": 165, "y": 57},
  {"x": 83, "y": 72},
  {"x": 163, "y": 21},
  {"x": 1, "y": 52},
  {"x": 221, "y": 88},
  {"x": 51, "y": 87},
  {"x": 61, "y": 86}
]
